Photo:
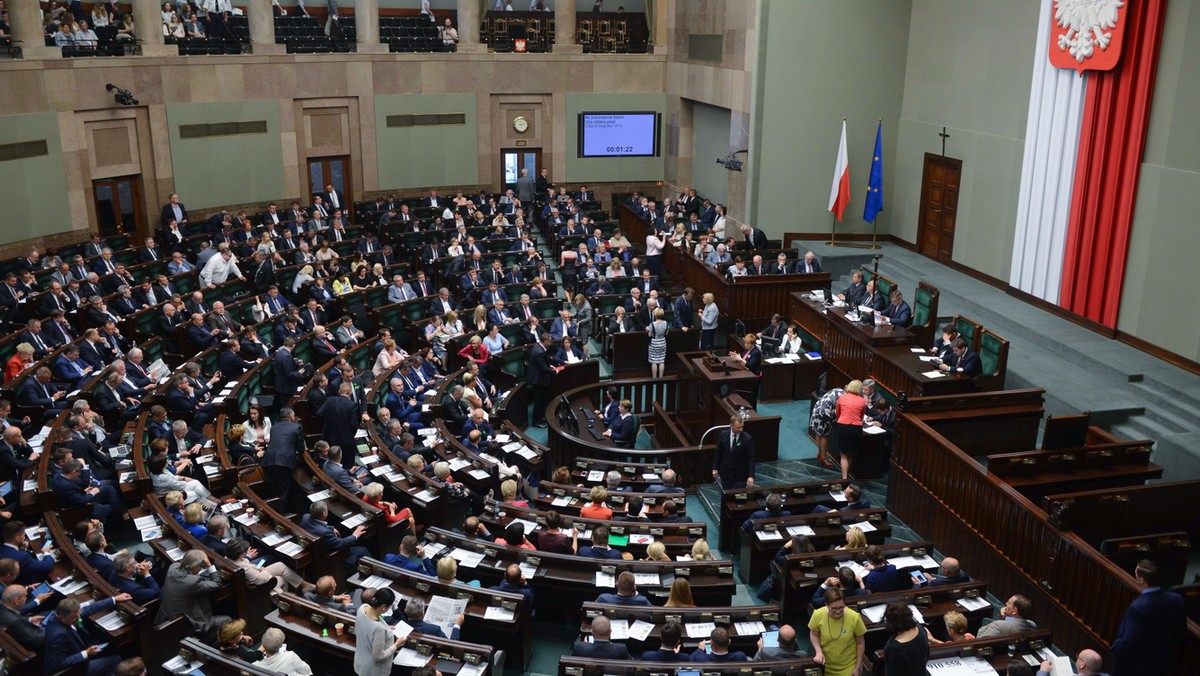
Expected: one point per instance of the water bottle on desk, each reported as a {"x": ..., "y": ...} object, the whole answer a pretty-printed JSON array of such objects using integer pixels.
[{"x": 743, "y": 413}]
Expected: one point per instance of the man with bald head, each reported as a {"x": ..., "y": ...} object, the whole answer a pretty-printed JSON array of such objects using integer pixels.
[
  {"x": 787, "y": 648},
  {"x": 668, "y": 485},
  {"x": 951, "y": 573},
  {"x": 1088, "y": 663},
  {"x": 601, "y": 645},
  {"x": 27, "y": 630}
]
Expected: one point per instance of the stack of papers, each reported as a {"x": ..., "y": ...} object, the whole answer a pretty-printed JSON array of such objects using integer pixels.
[
  {"x": 320, "y": 495},
  {"x": 605, "y": 580},
  {"x": 924, "y": 562},
  {"x": 354, "y": 521},
  {"x": 110, "y": 621},
  {"x": 873, "y": 430},
  {"x": 174, "y": 553},
  {"x": 246, "y": 519},
  {"x": 801, "y": 530},
  {"x": 69, "y": 585},
  {"x": 272, "y": 539},
  {"x": 647, "y": 579},
  {"x": 640, "y": 630},
  {"x": 381, "y": 470},
  {"x": 425, "y": 495},
  {"x": 498, "y": 613},
  {"x": 289, "y": 549},
  {"x": 141, "y": 523},
  {"x": 152, "y": 533},
  {"x": 407, "y": 657},
  {"x": 769, "y": 535},
  {"x": 375, "y": 582},
  {"x": 839, "y": 496},
  {"x": 561, "y": 501},
  {"x": 434, "y": 548},
  {"x": 465, "y": 558},
  {"x": 864, "y": 526},
  {"x": 620, "y": 629},
  {"x": 178, "y": 665},
  {"x": 699, "y": 629},
  {"x": 503, "y": 438},
  {"x": 480, "y": 474},
  {"x": 917, "y": 350},
  {"x": 528, "y": 570},
  {"x": 973, "y": 604},
  {"x": 934, "y": 374},
  {"x": 753, "y": 628},
  {"x": 960, "y": 666}
]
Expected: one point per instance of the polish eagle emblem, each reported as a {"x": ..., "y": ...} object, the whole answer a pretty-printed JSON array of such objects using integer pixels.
[{"x": 1084, "y": 32}]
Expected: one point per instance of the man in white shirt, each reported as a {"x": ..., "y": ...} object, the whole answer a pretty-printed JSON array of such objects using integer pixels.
[{"x": 220, "y": 268}]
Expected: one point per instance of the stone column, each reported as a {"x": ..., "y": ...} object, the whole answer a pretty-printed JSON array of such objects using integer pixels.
[
  {"x": 366, "y": 24},
  {"x": 147, "y": 17},
  {"x": 26, "y": 20},
  {"x": 262, "y": 29},
  {"x": 468, "y": 27},
  {"x": 564, "y": 28}
]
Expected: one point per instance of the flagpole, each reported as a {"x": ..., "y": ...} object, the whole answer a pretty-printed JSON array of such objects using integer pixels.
[{"x": 874, "y": 231}]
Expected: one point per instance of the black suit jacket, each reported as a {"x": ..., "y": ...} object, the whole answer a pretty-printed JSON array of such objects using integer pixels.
[
  {"x": 604, "y": 650},
  {"x": 341, "y": 416},
  {"x": 286, "y": 445},
  {"x": 168, "y": 214},
  {"x": 736, "y": 463},
  {"x": 540, "y": 363}
]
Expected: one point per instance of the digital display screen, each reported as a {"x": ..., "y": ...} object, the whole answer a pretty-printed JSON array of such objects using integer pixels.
[{"x": 629, "y": 134}]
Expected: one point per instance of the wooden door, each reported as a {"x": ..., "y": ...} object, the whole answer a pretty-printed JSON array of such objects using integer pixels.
[
  {"x": 335, "y": 171},
  {"x": 939, "y": 206},
  {"x": 118, "y": 204}
]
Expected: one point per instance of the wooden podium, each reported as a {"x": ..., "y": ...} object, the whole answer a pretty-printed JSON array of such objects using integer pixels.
[{"x": 711, "y": 390}]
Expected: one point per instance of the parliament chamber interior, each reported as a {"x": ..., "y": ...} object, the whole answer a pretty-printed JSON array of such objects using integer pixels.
[{"x": 308, "y": 308}]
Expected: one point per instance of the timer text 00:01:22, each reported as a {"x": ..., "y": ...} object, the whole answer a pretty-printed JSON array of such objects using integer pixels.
[{"x": 618, "y": 149}]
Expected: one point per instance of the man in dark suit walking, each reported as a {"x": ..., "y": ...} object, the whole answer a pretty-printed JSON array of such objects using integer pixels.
[
  {"x": 289, "y": 371},
  {"x": 342, "y": 415},
  {"x": 282, "y": 455},
  {"x": 1151, "y": 630},
  {"x": 733, "y": 462},
  {"x": 541, "y": 368}
]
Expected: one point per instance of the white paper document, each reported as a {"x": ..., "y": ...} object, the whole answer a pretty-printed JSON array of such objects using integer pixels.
[
  {"x": 917, "y": 350},
  {"x": 498, "y": 613},
  {"x": 466, "y": 558},
  {"x": 753, "y": 628},
  {"x": 801, "y": 530},
  {"x": 272, "y": 539},
  {"x": 647, "y": 579},
  {"x": 640, "y": 630},
  {"x": 320, "y": 495},
  {"x": 873, "y": 430},
  {"x": 407, "y": 657},
  {"x": 864, "y": 526},
  {"x": 375, "y": 582},
  {"x": 977, "y": 603},
  {"x": 934, "y": 374},
  {"x": 605, "y": 580},
  {"x": 769, "y": 535},
  {"x": 699, "y": 629},
  {"x": 289, "y": 549},
  {"x": 620, "y": 629},
  {"x": 561, "y": 501},
  {"x": 839, "y": 496},
  {"x": 443, "y": 611},
  {"x": 595, "y": 475},
  {"x": 354, "y": 521},
  {"x": 401, "y": 629},
  {"x": 141, "y": 523}
]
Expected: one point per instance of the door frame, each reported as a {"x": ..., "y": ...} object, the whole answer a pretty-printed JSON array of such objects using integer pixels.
[
  {"x": 140, "y": 227},
  {"x": 520, "y": 164},
  {"x": 347, "y": 174},
  {"x": 929, "y": 161}
]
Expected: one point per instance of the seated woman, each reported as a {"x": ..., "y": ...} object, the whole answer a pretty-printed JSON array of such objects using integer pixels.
[
  {"x": 447, "y": 571},
  {"x": 537, "y": 289},
  {"x": 956, "y": 627},
  {"x": 855, "y": 539},
  {"x": 562, "y": 475},
  {"x": 475, "y": 350},
  {"x": 373, "y": 495},
  {"x": 237, "y": 449},
  {"x": 568, "y": 353},
  {"x": 551, "y": 538},
  {"x": 284, "y": 578},
  {"x": 164, "y": 482},
  {"x": 174, "y": 503},
  {"x": 596, "y": 509},
  {"x": 657, "y": 551},
  {"x": 508, "y": 494},
  {"x": 514, "y": 536},
  {"x": 193, "y": 520},
  {"x": 681, "y": 594},
  {"x": 257, "y": 428},
  {"x": 700, "y": 551},
  {"x": 232, "y": 642}
]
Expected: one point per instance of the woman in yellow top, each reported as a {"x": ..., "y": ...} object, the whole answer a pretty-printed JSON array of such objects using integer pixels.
[{"x": 837, "y": 636}]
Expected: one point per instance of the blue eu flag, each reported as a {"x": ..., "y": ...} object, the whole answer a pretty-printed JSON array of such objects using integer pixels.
[{"x": 875, "y": 185}]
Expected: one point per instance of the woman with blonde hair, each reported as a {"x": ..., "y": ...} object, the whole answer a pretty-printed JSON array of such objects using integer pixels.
[
  {"x": 956, "y": 627},
  {"x": 596, "y": 509},
  {"x": 479, "y": 320},
  {"x": 236, "y": 447},
  {"x": 581, "y": 311},
  {"x": 447, "y": 572},
  {"x": 700, "y": 551},
  {"x": 304, "y": 276},
  {"x": 855, "y": 539},
  {"x": 19, "y": 361},
  {"x": 681, "y": 594},
  {"x": 848, "y": 429},
  {"x": 373, "y": 495},
  {"x": 475, "y": 350},
  {"x": 508, "y": 494},
  {"x": 657, "y": 551}
]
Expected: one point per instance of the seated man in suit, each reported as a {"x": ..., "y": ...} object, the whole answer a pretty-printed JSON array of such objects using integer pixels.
[
  {"x": 199, "y": 336},
  {"x": 601, "y": 645},
  {"x": 514, "y": 582},
  {"x": 39, "y": 392},
  {"x": 68, "y": 642},
  {"x": 599, "y": 548},
  {"x": 14, "y": 620},
  {"x": 1014, "y": 618},
  {"x": 943, "y": 348},
  {"x": 898, "y": 313},
  {"x": 454, "y": 408},
  {"x": 339, "y": 475},
  {"x": 69, "y": 493},
  {"x": 324, "y": 594},
  {"x": 34, "y": 567},
  {"x": 411, "y": 557},
  {"x": 774, "y": 508},
  {"x": 951, "y": 573},
  {"x": 720, "y": 649},
  {"x": 600, "y": 287},
  {"x": 809, "y": 265},
  {"x": 414, "y": 613},
  {"x": 479, "y": 422},
  {"x": 623, "y": 430},
  {"x": 181, "y": 398},
  {"x": 190, "y": 583},
  {"x": 314, "y": 522},
  {"x": 668, "y": 485},
  {"x": 133, "y": 578},
  {"x": 670, "y": 646},
  {"x": 965, "y": 361},
  {"x": 635, "y": 511},
  {"x": 883, "y": 576},
  {"x": 782, "y": 266},
  {"x": 854, "y": 501},
  {"x": 230, "y": 363}
]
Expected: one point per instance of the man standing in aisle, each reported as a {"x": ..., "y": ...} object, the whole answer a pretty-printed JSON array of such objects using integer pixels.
[{"x": 733, "y": 462}]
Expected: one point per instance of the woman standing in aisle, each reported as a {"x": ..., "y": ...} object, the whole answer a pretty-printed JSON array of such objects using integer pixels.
[
  {"x": 658, "y": 344},
  {"x": 837, "y": 636}
]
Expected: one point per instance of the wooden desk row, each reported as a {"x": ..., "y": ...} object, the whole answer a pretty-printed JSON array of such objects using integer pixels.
[{"x": 758, "y": 547}]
